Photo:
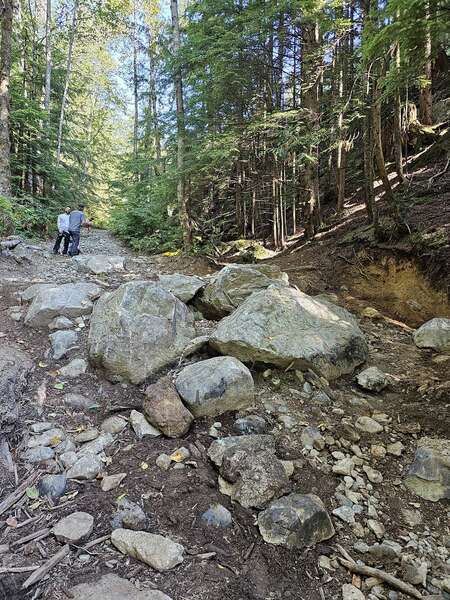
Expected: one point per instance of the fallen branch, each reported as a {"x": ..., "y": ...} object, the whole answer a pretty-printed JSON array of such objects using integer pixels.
[
  {"x": 95, "y": 542},
  {"x": 46, "y": 567},
  {"x": 444, "y": 170},
  {"x": 19, "y": 492},
  {"x": 18, "y": 569},
  {"x": 379, "y": 574},
  {"x": 41, "y": 534}
]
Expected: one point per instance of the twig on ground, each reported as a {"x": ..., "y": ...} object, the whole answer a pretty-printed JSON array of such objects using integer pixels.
[
  {"x": 444, "y": 170},
  {"x": 18, "y": 569},
  {"x": 406, "y": 588},
  {"x": 92, "y": 543},
  {"x": 19, "y": 492},
  {"x": 41, "y": 533},
  {"x": 46, "y": 567}
]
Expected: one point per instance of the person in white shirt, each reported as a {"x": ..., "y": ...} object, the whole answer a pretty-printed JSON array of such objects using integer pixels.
[{"x": 63, "y": 231}]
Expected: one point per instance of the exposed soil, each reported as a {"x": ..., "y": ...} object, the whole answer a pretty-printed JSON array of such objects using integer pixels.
[{"x": 243, "y": 566}]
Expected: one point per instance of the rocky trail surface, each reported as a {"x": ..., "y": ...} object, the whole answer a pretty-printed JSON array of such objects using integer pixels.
[{"x": 169, "y": 431}]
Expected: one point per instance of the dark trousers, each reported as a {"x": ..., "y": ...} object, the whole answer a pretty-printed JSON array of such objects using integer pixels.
[
  {"x": 65, "y": 235},
  {"x": 75, "y": 243}
]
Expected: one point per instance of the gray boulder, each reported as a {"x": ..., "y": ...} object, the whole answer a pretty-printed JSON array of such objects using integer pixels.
[
  {"x": 183, "y": 287},
  {"x": 15, "y": 368},
  {"x": 429, "y": 474},
  {"x": 295, "y": 521},
  {"x": 99, "y": 264},
  {"x": 68, "y": 300},
  {"x": 113, "y": 587},
  {"x": 86, "y": 467},
  {"x": 434, "y": 334},
  {"x": 228, "y": 288},
  {"x": 373, "y": 379},
  {"x": 214, "y": 386},
  {"x": 63, "y": 341},
  {"x": 257, "y": 477},
  {"x": 137, "y": 330},
  {"x": 129, "y": 516},
  {"x": 285, "y": 327},
  {"x": 159, "y": 552},
  {"x": 250, "y": 424},
  {"x": 31, "y": 291},
  {"x": 74, "y": 527},
  {"x": 251, "y": 443},
  {"x": 52, "y": 486}
]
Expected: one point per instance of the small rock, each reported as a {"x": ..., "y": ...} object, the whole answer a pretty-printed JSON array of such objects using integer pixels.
[
  {"x": 61, "y": 323},
  {"x": 86, "y": 467},
  {"x": 41, "y": 427},
  {"x": 345, "y": 513},
  {"x": 51, "y": 437},
  {"x": 217, "y": 516},
  {"x": 113, "y": 425},
  {"x": 429, "y": 474},
  {"x": 372, "y": 474},
  {"x": 350, "y": 592},
  {"x": 415, "y": 572},
  {"x": 373, "y": 379},
  {"x": 74, "y": 528},
  {"x": 434, "y": 334},
  {"x": 180, "y": 454},
  {"x": 78, "y": 402},
  {"x": 250, "y": 424},
  {"x": 76, "y": 367},
  {"x": 344, "y": 466},
  {"x": 164, "y": 409},
  {"x": 98, "y": 445},
  {"x": 312, "y": 438},
  {"x": 254, "y": 443},
  {"x": 86, "y": 436},
  {"x": 412, "y": 517},
  {"x": 63, "y": 341},
  {"x": 395, "y": 449},
  {"x": 109, "y": 482},
  {"x": 53, "y": 486},
  {"x": 39, "y": 454},
  {"x": 129, "y": 516},
  {"x": 163, "y": 462},
  {"x": 68, "y": 458},
  {"x": 141, "y": 426},
  {"x": 113, "y": 587},
  {"x": 376, "y": 527},
  {"x": 378, "y": 451},
  {"x": 161, "y": 553},
  {"x": 368, "y": 425}
]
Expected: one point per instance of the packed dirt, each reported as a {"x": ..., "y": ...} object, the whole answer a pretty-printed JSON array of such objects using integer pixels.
[{"x": 233, "y": 563}]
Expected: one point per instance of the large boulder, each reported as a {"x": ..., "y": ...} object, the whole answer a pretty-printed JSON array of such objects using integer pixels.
[
  {"x": 295, "y": 521},
  {"x": 164, "y": 409},
  {"x": 15, "y": 367},
  {"x": 214, "y": 386},
  {"x": 99, "y": 264},
  {"x": 434, "y": 334},
  {"x": 429, "y": 474},
  {"x": 285, "y": 327},
  {"x": 63, "y": 341},
  {"x": 137, "y": 330},
  {"x": 68, "y": 300},
  {"x": 228, "y": 288},
  {"x": 184, "y": 287},
  {"x": 113, "y": 587}
]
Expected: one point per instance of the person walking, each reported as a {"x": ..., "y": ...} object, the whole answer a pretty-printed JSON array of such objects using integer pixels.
[
  {"x": 77, "y": 220},
  {"x": 63, "y": 232}
]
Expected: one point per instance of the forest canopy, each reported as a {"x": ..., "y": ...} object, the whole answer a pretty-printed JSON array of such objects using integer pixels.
[{"x": 189, "y": 124}]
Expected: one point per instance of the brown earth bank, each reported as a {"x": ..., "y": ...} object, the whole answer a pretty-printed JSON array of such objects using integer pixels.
[{"x": 235, "y": 563}]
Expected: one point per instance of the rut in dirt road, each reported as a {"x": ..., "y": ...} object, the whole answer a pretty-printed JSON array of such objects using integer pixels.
[{"x": 171, "y": 433}]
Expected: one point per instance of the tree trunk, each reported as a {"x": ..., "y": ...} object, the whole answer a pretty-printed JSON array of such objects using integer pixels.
[
  {"x": 341, "y": 142},
  {"x": 398, "y": 120},
  {"x": 135, "y": 92},
  {"x": 154, "y": 108},
  {"x": 48, "y": 57},
  {"x": 369, "y": 197},
  {"x": 310, "y": 96},
  {"x": 378, "y": 147},
  {"x": 5, "y": 71},
  {"x": 426, "y": 97},
  {"x": 181, "y": 133},
  {"x": 72, "y": 37}
]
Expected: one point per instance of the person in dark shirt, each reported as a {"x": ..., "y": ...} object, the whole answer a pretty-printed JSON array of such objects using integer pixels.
[{"x": 77, "y": 220}]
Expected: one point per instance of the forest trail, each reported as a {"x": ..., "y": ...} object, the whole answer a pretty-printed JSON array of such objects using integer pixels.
[{"x": 358, "y": 472}]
